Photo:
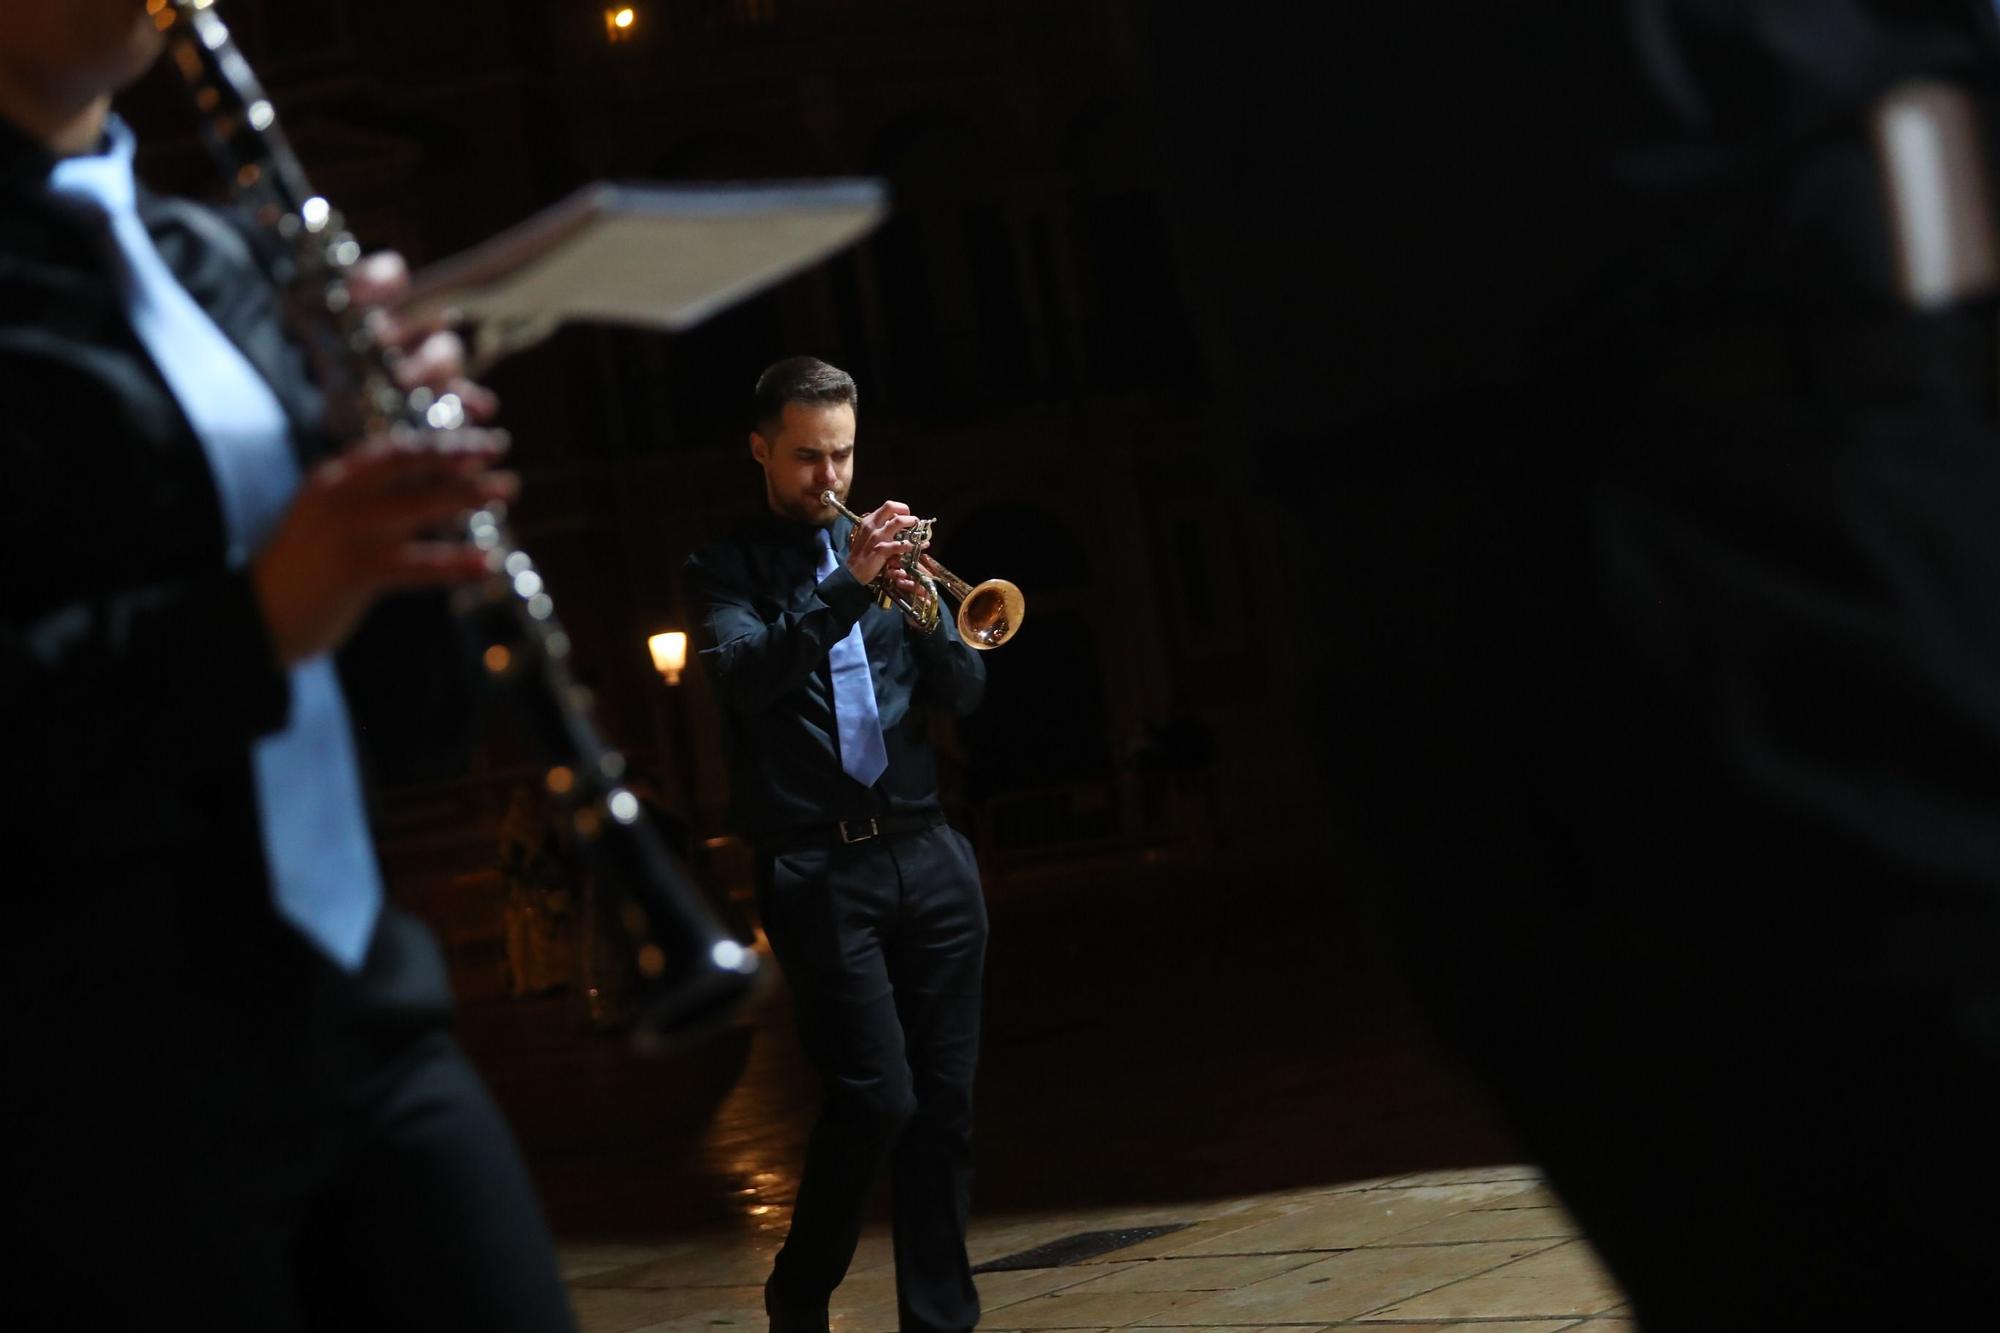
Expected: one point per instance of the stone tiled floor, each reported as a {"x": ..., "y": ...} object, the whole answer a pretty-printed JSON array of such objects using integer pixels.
[
  {"x": 1223, "y": 1045},
  {"x": 1486, "y": 1248}
]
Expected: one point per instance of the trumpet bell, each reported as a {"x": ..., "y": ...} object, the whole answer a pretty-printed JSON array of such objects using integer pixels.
[{"x": 990, "y": 614}]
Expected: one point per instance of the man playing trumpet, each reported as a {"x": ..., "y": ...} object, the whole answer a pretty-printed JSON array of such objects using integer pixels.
[{"x": 871, "y": 901}]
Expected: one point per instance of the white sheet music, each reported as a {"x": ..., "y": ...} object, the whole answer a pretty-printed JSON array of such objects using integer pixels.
[{"x": 664, "y": 257}]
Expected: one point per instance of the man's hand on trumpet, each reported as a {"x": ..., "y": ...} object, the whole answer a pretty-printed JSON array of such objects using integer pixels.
[{"x": 878, "y": 545}]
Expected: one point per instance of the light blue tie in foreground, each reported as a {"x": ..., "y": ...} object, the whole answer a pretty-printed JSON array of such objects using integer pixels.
[
  {"x": 316, "y": 839},
  {"x": 863, "y": 753}
]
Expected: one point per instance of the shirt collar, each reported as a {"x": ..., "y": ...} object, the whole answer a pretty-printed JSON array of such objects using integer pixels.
[{"x": 105, "y": 177}]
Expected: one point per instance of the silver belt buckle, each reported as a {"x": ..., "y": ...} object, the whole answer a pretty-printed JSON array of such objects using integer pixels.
[{"x": 857, "y": 836}]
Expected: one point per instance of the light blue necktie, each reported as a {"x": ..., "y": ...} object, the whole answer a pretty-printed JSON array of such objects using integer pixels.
[
  {"x": 863, "y": 753},
  {"x": 316, "y": 840}
]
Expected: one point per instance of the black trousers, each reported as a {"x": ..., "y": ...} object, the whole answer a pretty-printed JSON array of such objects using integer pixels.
[
  {"x": 313, "y": 1156},
  {"x": 884, "y": 944},
  {"x": 1676, "y": 726}
]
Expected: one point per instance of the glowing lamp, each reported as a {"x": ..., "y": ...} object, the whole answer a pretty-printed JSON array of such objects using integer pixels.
[{"x": 670, "y": 654}]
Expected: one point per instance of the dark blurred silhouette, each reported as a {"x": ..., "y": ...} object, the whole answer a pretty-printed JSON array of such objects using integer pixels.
[{"x": 1648, "y": 587}]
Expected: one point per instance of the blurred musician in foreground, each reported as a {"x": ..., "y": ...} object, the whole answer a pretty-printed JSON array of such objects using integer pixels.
[
  {"x": 228, "y": 1057},
  {"x": 871, "y": 901},
  {"x": 1655, "y": 597}
]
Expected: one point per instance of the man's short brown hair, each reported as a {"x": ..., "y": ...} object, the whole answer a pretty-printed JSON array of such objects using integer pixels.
[{"x": 799, "y": 379}]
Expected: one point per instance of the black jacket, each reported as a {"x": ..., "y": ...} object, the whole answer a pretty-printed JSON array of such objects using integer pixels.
[{"x": 135, "y": 664}]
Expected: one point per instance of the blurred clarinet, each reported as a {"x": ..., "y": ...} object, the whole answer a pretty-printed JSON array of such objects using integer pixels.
[{"x": 693, "y": 973}]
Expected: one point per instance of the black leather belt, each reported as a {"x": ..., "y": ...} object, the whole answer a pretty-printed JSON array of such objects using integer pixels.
[{"x": 850, "y": 831}]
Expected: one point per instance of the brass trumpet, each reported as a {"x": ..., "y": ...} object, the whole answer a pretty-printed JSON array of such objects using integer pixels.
[{"x": 988, "y": 615}]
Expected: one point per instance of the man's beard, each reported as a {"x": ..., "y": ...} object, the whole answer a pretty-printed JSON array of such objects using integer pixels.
[{"x": 809, "y": 508}]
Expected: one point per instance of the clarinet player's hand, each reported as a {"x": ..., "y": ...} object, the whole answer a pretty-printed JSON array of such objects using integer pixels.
[
  {"x": 423, "y": 352},
  {"x": 370, "y": 521}
]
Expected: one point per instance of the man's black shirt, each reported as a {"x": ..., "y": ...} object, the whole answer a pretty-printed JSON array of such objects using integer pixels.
[{"x": 765, "y": 623}]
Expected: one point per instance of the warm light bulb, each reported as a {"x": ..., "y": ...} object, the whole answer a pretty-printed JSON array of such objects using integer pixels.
[
  {"x": 623, "y": 18},
  {"x": 670, "y": 654}
]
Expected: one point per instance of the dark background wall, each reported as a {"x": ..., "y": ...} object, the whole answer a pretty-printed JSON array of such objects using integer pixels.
[{"x": 1030, "y": 369}]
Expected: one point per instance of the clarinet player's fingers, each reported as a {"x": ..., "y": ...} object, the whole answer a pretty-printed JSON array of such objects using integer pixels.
[
  {"x": 434, "y": 359},
  {"x": 399, "y": 514},
  {"x": 312, "y": 579},
  {"x": 379, "y": 279},
  {"x": 434, "y": 564},
  {"x": 481, "y": 403},
  {"x": 342, "y": 543},
  {"x": 422, "y": 351},
  {"x": 411, "y": 459}
]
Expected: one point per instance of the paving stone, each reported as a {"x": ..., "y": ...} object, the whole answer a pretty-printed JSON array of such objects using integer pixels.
[{"x": 1485, "y": 1249}]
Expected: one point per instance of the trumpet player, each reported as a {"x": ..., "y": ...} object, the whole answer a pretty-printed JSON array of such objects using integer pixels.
[{"x": 871, "y": 901}]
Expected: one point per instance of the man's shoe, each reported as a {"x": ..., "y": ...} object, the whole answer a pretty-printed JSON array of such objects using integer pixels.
[{"x": 789, "y": 1318}]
